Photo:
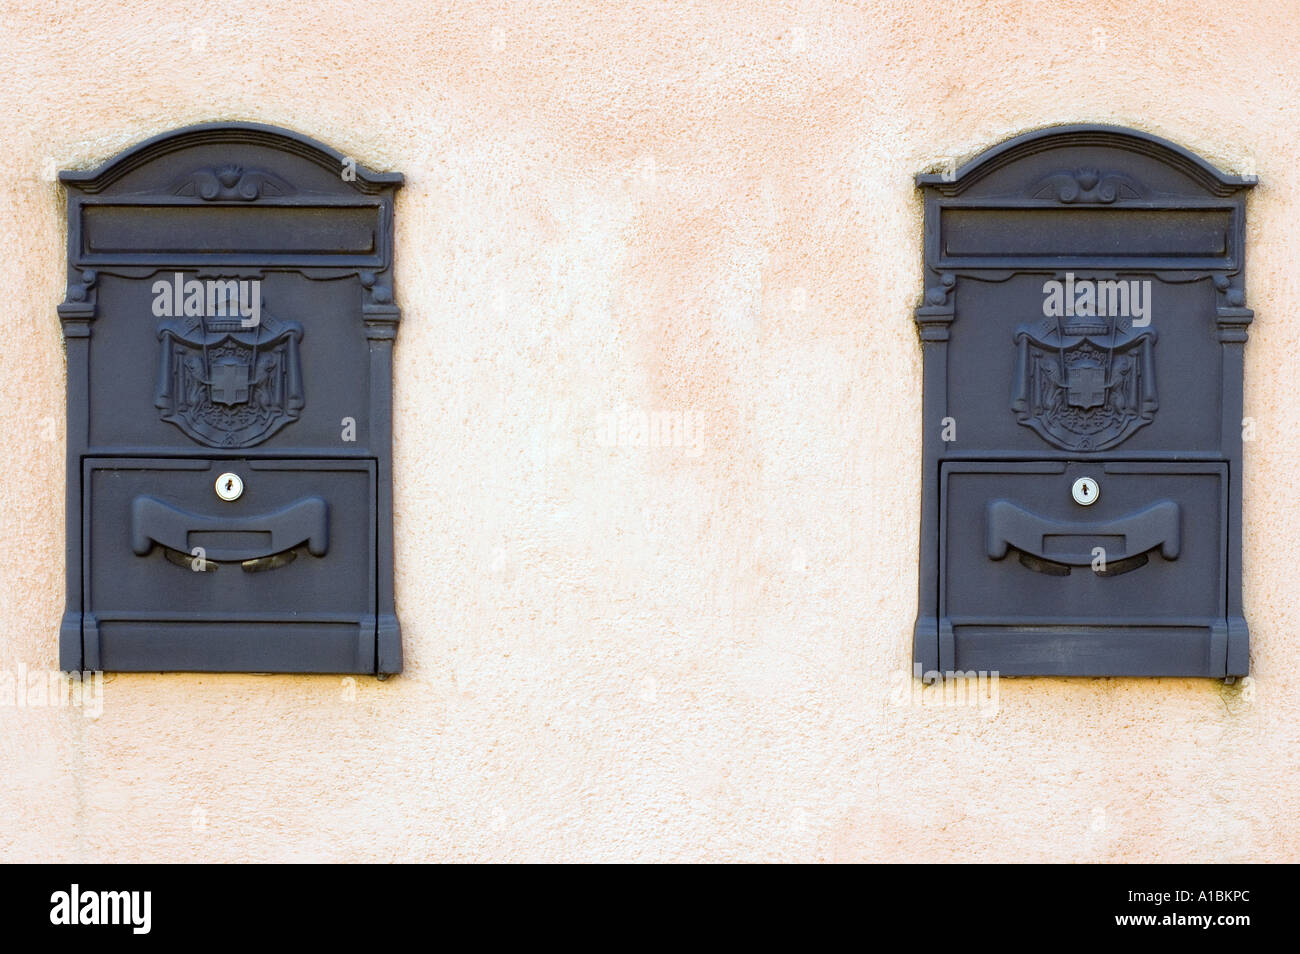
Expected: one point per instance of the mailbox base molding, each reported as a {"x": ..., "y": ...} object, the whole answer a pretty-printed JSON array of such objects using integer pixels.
[
  {"x": 1055, "y": 650},
  {"x": 71, "y": 652},
  {"x": 388, "y": 645},
  {"x": 346, "y": 647},
  {"x": 1218, "y": 649}
]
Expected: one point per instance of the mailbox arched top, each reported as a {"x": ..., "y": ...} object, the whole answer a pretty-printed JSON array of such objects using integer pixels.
[
  {"x": 1086, "y": 164},
  {"x": 301, "y": 163}
]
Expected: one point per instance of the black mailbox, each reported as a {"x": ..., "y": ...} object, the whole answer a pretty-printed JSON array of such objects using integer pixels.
[
  {"x": 1083, "y": 325},
  {"x": 229, "y": 326}
]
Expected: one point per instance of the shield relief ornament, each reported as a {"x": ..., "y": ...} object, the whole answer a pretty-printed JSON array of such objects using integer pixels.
[
  {"x": 1084, "y": 383},
  {"x": 225, "y": 384}
]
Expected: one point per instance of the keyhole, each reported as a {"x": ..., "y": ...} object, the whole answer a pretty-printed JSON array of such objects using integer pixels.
[
  {"x": 1085, "y": 491},
  {"x": 229, "y": 486}
]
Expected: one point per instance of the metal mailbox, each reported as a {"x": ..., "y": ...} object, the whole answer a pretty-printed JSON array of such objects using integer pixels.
[
  {"x": 229, "y": 325},
  {"x": 1083, "y": 328}
]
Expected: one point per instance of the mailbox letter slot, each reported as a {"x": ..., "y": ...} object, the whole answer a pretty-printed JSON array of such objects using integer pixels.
[{"x": 153, "y": 521}]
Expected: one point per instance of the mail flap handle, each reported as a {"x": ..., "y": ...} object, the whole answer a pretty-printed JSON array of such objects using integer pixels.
[
  {"x": 1072, "y": 542},
  {"x": 306, "y": 521}
]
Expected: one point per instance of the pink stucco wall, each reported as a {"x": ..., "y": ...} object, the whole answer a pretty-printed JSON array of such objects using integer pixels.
[{"x": 623, "y": 652}]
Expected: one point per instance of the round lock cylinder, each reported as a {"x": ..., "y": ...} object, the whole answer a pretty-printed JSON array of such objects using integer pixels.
[
  {"x": 1085, "y": 491},
  {"x": 229, "y": 486}
]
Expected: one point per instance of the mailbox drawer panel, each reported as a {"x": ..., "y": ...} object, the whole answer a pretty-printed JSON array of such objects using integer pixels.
[
  {"x": 164, "y": 399},
  {"x": 163, "y": 550},
  {"x": 1020, "y": 550},
  {"x": 1001, "y": 405}
]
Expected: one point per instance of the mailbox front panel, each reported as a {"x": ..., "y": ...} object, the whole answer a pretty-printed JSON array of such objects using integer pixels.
[
  {"x": 1005, "y": 361},
  {"x": 1083, "y": 326},
  {"x": 229, "y": 325},
  {"x": 1109, "y": 585},
  {"x": 312, "y": 371},
  {"x": 285, "y": 553}
]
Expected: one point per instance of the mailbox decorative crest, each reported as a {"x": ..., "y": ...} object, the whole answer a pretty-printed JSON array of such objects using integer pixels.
[
  {"x": 229, "y": 325},
  {"x": 1084, "y": 384},
  {"x": 1083, "y": 326},
  {"x": 226, "y": 385}
]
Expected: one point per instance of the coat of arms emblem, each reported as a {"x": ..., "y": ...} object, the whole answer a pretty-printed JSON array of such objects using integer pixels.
[
  {"x": 228, "y": 385},
  {"x": 1084, "y": 383}
]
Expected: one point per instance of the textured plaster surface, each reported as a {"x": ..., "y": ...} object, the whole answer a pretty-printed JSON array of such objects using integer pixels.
[{"x": 634, "y": 653}]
